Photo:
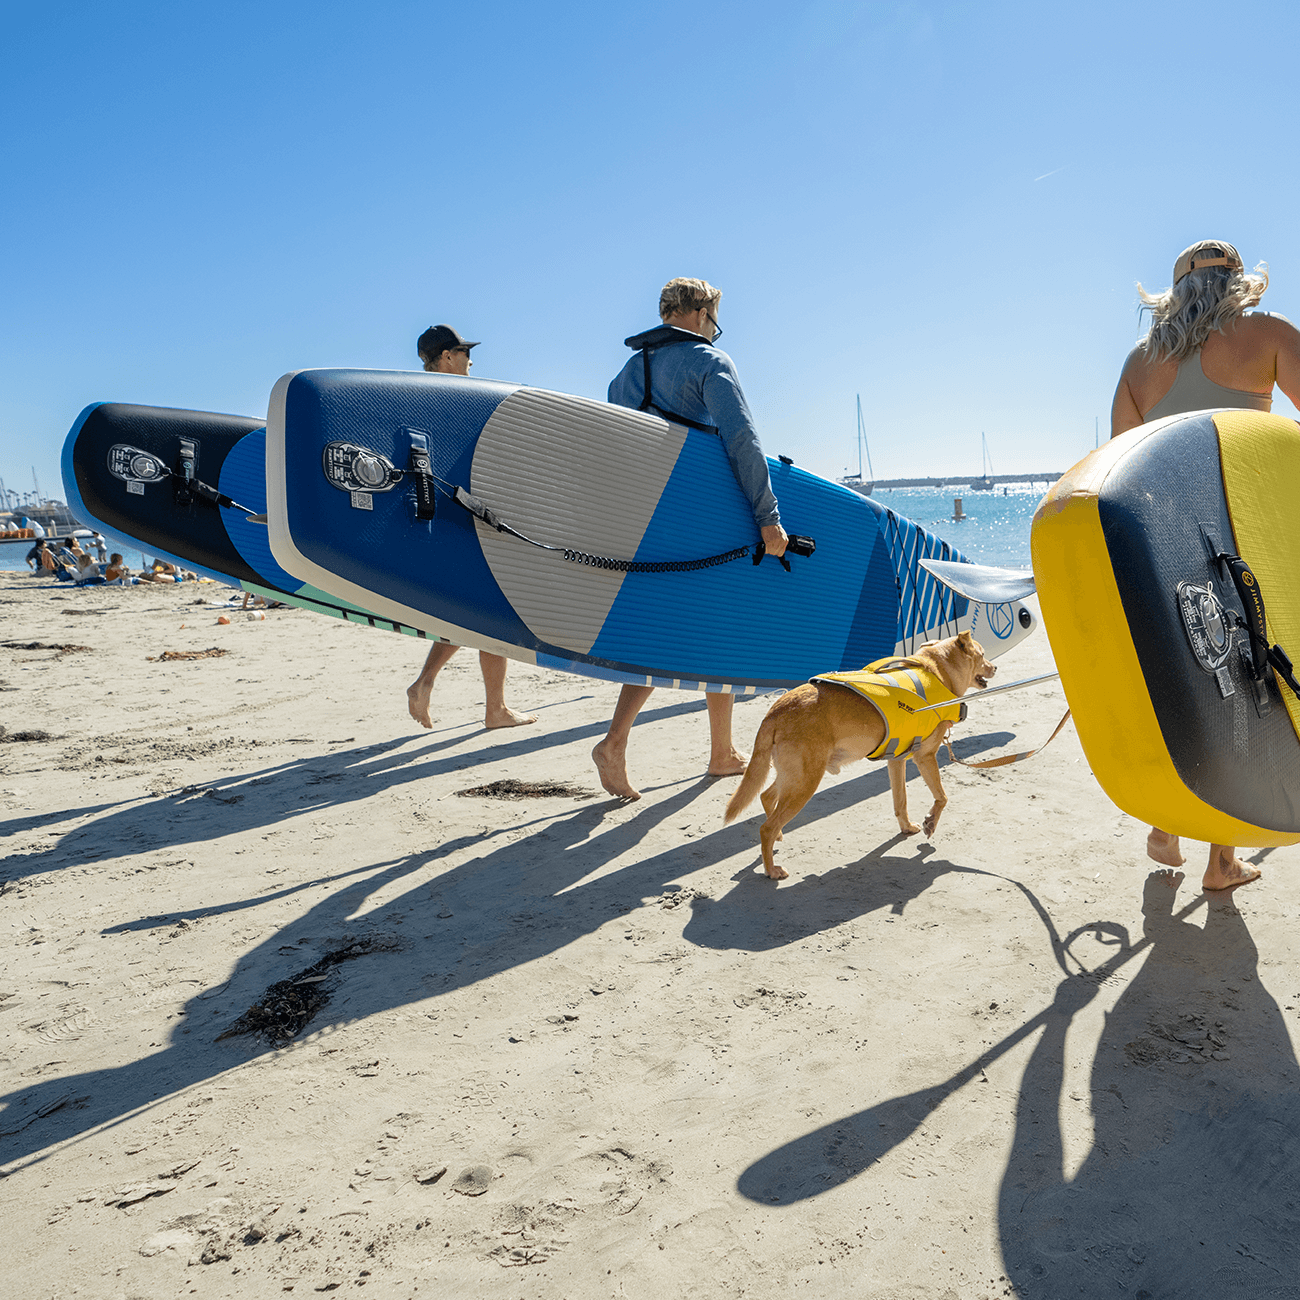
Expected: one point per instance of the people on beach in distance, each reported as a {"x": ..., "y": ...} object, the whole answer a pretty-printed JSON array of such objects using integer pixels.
[
  {"x": 442, "y": 351},
  {"x": 88, "y": 573},
  {"x": 694, "y": 382},
  {"x": 117, "y": 569},
  {"x": 36, "y": 557},
  {"x": 1205, "y": 350},
  {"x": 101, "y": 547}
]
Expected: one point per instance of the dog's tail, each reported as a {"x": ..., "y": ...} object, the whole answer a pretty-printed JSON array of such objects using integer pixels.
[{"x": 760, "y": 761}]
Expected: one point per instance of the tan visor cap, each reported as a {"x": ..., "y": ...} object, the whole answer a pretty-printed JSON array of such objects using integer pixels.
[{"x": 1209, "y": 252}]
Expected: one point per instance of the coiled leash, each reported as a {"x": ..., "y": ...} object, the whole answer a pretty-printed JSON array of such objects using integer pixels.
[
  {"x": 364, "y": 474},
  {"x": 490, "y": 517}
]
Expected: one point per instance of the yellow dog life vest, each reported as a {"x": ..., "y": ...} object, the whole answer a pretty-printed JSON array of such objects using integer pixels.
[{"x": 897, "y": 688}]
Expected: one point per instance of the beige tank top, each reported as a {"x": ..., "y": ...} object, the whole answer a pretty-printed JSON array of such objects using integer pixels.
[{"x": 1192, "y": 391}]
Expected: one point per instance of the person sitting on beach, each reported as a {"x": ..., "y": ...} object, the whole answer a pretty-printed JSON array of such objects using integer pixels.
[
  {"x": 691, "y": 379},
  {"x": 36, "y": 556},
  {"x": 88, "y": 573},
  {"x": 117, "y": 569},
  {"x": 1204, "y": 350},
  {"x": 442, "y": 351}
]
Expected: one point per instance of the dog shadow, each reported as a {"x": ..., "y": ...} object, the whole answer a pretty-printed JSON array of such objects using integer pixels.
[{"x": 753, "y": 916}]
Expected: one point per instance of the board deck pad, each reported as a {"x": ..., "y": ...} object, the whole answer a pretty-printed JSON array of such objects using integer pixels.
[
  {"x": 616, "y": 506},
  {"x": 1143, "y": 622},
  {"x": 124, "y": 495}
]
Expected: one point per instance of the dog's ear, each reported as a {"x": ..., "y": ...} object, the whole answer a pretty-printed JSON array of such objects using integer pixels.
[{"x": 965, "y": 639}]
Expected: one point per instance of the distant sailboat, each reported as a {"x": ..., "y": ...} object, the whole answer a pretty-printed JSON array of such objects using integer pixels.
[
  {"x": 856, "y": 481},
  {"x": 984, "y": 483}
]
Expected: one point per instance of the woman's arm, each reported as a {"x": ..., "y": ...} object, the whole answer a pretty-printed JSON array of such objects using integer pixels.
[{"x": 1124, "y": 413}]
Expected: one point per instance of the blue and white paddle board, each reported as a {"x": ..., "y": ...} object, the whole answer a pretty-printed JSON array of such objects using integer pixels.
[
  {"x": 598, "y": 540},
  {"x": 137, "y": 474}
]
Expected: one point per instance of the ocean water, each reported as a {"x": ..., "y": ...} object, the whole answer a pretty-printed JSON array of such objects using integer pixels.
[
  {"x": 996, "y": 525},
  {"x": 995, "y": 530}
]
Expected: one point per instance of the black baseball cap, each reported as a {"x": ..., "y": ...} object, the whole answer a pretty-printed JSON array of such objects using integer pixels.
[{"x": 438, "y": 339}]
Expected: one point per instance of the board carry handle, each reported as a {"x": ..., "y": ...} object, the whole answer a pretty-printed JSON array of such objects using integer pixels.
[
  {"x": 795, "y": 544},
  {"x": 1262, "y": 655}
]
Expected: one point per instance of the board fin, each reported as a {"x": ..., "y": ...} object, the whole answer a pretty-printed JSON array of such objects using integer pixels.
[{"x": 983, "y": 583}]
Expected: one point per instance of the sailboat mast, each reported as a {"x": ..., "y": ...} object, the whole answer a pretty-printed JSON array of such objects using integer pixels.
[{"x": 862, "y": 443}]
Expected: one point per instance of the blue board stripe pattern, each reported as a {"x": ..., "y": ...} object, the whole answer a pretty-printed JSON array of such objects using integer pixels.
[{"x": 924, "y": 604}]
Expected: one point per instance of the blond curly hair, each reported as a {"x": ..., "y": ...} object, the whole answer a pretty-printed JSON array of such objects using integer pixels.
[{"x": 1184, "y": 316}]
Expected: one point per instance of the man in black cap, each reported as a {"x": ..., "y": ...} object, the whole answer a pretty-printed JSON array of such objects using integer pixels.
[{"x": 444, "y": 352}]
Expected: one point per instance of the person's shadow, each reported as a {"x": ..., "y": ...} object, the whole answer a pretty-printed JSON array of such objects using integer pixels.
[{"x": 1192, "y": 1184}]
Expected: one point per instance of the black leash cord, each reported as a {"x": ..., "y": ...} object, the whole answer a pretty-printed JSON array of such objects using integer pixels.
[{"x": 480, "y": 511}]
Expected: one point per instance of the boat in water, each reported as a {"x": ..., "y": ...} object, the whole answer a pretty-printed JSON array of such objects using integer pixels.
[
  {"x": 985, "y": 482},
  {"x": 855, "y": 481}
]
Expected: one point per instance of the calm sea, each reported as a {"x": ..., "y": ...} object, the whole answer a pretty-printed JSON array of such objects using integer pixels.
[{"x": 995, "y": 529}]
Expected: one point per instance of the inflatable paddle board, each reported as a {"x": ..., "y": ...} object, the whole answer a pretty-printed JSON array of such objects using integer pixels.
[
  {"x": 1166, "y": 566},
  {"x": 182, "y": 485},
  {"x": 590, "y": 538}
]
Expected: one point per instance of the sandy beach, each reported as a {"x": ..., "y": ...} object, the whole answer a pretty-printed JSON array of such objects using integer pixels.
[{"x": 565, "y": 1047}]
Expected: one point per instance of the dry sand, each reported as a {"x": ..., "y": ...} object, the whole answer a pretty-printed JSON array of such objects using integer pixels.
[{"x": 1008, "y": 1062}]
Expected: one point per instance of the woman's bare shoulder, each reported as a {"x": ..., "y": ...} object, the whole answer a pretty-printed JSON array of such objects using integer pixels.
[{"x": 1268, "y": 324}]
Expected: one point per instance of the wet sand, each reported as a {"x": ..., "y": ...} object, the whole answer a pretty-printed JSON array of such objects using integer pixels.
[{"x": 1008, "y": 1062}]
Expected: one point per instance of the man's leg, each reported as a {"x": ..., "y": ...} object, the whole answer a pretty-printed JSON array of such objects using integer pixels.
[
  {"x": 494, "y": 687},
  {"x": 420, "y": 691},
  {"x": 611, "y": 754},
  {"x": 724, "y": 758}
]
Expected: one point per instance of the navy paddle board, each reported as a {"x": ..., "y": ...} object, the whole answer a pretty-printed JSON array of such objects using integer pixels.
[
  {"x": 590, "y": 538},
  {"x": 182, "y": 485}
]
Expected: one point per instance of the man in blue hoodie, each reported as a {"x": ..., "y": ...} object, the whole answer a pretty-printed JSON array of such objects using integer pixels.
[{"x": 677, "y": 373}]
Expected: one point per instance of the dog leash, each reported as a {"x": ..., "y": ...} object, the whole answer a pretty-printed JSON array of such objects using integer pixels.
[{"x": 1010, "y": 758}]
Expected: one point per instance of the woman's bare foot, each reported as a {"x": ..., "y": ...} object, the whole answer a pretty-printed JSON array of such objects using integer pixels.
[
  {"x": 1163, "y": 848},
  {"x": 418, "y": 695},
  {"x": 730, "y": 762},
  {"x": 504, "y": 717},
  {"x": 1226, "y": 870},
  {"x": 611, "y": 765}
]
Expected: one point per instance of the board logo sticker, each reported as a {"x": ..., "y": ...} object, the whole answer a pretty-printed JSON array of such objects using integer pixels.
[
  {"x": 1001, "y": 621},
  {"x": 357, "y": 470},
  {"x": 1208, "y": 631},
  {"x": 135, "y": 467}
]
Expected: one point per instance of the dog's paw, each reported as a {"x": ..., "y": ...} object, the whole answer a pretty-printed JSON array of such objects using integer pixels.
[
  {"x": 930, "y": 825},
  {"x": 776, "y": 873},
  {"x": 909, "y": 828}
]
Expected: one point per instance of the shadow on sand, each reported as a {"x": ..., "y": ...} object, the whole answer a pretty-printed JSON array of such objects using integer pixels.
[
  {"x": 1191, "y": 1187},
  {"x": 550, "y": 893}
]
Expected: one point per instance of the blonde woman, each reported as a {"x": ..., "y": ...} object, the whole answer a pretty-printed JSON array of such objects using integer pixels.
[{"x": 1206, "y": 350}]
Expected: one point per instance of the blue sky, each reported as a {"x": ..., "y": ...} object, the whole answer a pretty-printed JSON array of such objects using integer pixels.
[{"x": 941, "y": 206}]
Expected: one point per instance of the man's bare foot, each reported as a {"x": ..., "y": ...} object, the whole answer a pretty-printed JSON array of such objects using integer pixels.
[
  {"x": 1226, "y": 870},
  {"x": 611, "y": 765},
  {"x": 504, "y": 717},
  {"x": 1163, "y": 848},
  {"x": 418, "y": 695},
  {"x": 731, "y": 764}
]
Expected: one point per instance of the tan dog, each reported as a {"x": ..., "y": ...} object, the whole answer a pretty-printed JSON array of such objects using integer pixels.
[{"x": 816, "y": 728}]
